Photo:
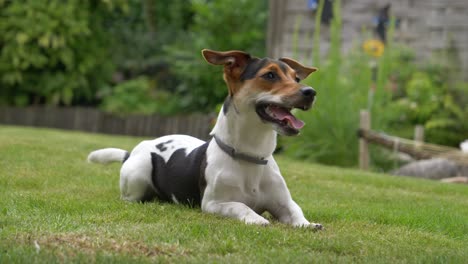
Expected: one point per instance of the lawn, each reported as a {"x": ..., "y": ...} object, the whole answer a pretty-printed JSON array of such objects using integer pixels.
[{"x": 55, "y": 207}]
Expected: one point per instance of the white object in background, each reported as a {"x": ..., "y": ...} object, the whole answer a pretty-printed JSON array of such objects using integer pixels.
[{"x": 464, "y": 146}]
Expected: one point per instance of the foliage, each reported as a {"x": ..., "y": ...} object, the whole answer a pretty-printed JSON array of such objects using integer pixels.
[
  {"x": 74, "y": 52},
  {"x": 137, "y": 96},
  {"x": 342, "y": 86},
  {"x": 433, "y": 104},
  {"x": 53, "y": 52},
  {"x": 55, "y": 207},
  {"x": 421, "y": 98},
  {"x": 164, "y": 45},
  {"x": 142, "y": 31},
  {"x": 401, "y": 94},
  {"x": 432, "y": 95},
  {"x": 144, "y": 82},
  {"x": 216, "y": 25}
]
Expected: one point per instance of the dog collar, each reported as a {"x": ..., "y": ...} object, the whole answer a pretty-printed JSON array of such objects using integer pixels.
[{"x": 239, "y": 155}]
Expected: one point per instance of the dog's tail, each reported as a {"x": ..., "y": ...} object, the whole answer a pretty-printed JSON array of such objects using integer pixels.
[{"x": 108, "y": 155}]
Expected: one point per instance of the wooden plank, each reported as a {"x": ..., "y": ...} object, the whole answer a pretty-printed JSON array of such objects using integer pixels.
[
  {"x": 275, "y": 27},
  {"x": 389, "y": 143},
  {"x": 271, "y": 28}
]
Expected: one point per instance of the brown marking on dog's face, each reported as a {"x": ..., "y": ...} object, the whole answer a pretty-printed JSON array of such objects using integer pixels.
[
  {"x": 269, "y": 87},
  {"x": 277, "y": 78},
  {"x": 301, "y": 70},
  {"x": 234, "y": 62},
  {"x": 242, "y": 71}
]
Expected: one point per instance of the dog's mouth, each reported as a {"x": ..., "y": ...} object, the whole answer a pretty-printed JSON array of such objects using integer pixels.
[{"x": 281, "y": 116}]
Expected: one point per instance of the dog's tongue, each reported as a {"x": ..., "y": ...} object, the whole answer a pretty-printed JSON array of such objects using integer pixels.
[{"x": 283, "y": 114}]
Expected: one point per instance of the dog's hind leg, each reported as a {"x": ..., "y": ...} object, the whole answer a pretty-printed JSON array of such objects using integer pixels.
[{"x": 135, "y": 179}]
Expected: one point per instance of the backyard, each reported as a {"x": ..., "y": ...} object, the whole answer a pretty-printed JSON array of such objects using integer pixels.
[
  {"x": 143, "y": 57},
  {"x": 125, "y": 71},
  {"x": 55, "y": 207}
]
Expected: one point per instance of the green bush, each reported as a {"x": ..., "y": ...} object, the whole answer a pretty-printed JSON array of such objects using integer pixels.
[
  {"x": 172, "y": 34},
  {"x": 342, "y": 85},
  {"x": 437, "y": 105},
  {"x": 66, "y": 52},
  {"x": 53, "y": 52},
  {"x": 216, "y": 25},
  {"x": 142, "y": 31},
  {"x": 138, "y": 96},
  {"x": 403, "y": 95}
]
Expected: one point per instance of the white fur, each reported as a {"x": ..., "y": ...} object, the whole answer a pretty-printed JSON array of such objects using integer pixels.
[
  {"x": 464, "y": 146},
  {"x": 243, "y": 190},
  {"x": 174, "y": 142},
  {"x": 235, "y": 188},
  {"x": 135, "y": 174},
  {"x": 268, "y": 97},
  {"x": 107, "y": 155}
]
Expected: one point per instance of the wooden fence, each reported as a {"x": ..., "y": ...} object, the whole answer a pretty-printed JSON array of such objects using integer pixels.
[
  {"x": 93, "y": 120},
  {"x": 415, "y": 148}
]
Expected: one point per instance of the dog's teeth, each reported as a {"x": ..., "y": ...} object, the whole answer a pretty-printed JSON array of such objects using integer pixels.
[{"x": 270, "y": 113}]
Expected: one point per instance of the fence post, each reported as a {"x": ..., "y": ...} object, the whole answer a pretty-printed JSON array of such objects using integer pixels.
[
  {"x": 364, "y": 124},
  {"x": 418, "y": 135}
]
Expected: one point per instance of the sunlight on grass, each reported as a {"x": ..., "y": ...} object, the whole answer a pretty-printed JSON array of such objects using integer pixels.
[{"x": 55, "y": 207}]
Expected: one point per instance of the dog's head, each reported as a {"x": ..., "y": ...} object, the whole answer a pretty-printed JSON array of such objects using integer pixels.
[{"x": 270, "y": 88}]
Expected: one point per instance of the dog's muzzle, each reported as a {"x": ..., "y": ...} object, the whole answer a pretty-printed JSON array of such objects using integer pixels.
[
  {"x": 280, "y": 115},
  {"x": 307, "y": 98},
  {"x": 308, "y": 92}
]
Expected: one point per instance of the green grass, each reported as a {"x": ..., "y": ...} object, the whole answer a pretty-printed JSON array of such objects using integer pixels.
[{"x": 50, "y": 197}]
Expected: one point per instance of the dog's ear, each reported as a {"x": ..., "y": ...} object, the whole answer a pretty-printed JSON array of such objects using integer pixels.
[
  {"x": 231, "y": 59},
  {"x": 234, "y": 62},
  {"x": 301, "y": 71}
]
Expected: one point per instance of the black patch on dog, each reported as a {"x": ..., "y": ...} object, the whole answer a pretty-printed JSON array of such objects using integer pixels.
[
  {"x": 162, "y": 147},
  {"x": 148, "y": 196},
  {"x": 183, "y": 176},
  {"x": 202, "y": 180},
  {"x": 127, "y": 155},
  {"x": 226, "y": 104},
  {"x": 283, "y": 66},
  {"x": 253, "y": 67}
]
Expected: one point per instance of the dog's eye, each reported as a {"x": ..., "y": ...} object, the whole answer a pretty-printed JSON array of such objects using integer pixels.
[
  {"x": 298, "y": 80},
  {"x": 270, "y": 76}
]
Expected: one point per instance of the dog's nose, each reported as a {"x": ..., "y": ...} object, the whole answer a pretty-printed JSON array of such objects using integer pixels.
[{"x": 308, "y": 92}]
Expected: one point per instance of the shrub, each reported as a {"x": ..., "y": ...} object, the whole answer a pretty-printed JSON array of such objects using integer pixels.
[
  {"x": 216, "y": 25},
  {"x": 342, "y": 86},
  {"x": 404, "y": 94},
  {"x": 437, "y": 105},
  {"x": 64, "y": 52},
  {"x": 53, "y": 52},
  {"x": 142, "y": 31},
  {"x": 138, "y": 96}
]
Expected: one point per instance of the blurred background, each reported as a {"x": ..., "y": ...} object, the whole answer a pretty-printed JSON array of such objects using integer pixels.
[{"x": 135, "y": 67}]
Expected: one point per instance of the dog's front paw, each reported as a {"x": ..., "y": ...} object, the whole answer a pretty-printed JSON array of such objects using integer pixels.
[
  {"x": 258, "y": 220},
  {"x": 313, "y": 226},
  {"x": 316, "y": 226}
]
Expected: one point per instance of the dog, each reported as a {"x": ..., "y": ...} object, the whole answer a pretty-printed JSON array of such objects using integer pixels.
[{"x": 234, "y": 174}]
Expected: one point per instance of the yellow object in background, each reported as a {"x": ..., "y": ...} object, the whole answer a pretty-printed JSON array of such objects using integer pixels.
[{"x": 374, "y": 47}]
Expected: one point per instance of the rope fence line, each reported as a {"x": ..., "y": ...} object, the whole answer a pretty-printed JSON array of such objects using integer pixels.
[{"x": 415, "y": 148}]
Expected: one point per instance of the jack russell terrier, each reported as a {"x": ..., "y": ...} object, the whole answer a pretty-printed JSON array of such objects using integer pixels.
[{"x": 234, "y": 174}]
